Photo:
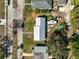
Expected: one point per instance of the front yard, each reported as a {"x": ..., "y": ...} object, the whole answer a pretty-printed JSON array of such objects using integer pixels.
[{"x": 28, "y": 43}]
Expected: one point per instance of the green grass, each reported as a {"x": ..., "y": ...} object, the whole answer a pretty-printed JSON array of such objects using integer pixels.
[
  {"x": 29, "y": 21},
  {"x": 28, "y": 10},
  {"x": 75, "y": 2},
  {"x": 2, "y": 12},
  {"x": 27, "y": 44},
  {"x": 29, "y": 24}
]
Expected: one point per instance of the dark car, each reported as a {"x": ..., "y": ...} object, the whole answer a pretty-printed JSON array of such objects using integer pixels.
[
  {"x": 8, "y": 2},
  {"x": 19, "y": 23},
  {"x": 21, "y": 46}
]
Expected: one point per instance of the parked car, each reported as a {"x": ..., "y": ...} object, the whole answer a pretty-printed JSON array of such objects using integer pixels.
[
  {"x": 19, "y": 23},
  {"x": 21, "y": 46},
  {"x": 7, "y": 2}
]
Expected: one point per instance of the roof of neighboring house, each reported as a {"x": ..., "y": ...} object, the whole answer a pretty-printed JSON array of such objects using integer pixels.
[
  {"x": 62, "y": 2},
  {"x": 40, "y": 48},
  {"x": 42, "y": 4},
  {"x": 40, "y": 52}
]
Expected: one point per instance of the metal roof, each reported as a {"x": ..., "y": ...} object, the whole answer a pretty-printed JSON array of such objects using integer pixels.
[{"x": 42, "y": 4}]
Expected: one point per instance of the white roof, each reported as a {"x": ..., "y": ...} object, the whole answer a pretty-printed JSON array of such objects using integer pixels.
[
  {"x": 3, "y": 22},
  {"x": 40, "y": 21},
  {"x": 39, "y": 29},
  {"x": 52, "y": 22},
  {"x": 36, "y": 33}
]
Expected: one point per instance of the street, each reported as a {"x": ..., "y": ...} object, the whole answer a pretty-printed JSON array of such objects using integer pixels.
[
  {"x": 15, "y": 14},
  {"x": 10, "y": 32},
  {"x": 19, "y": 30}
]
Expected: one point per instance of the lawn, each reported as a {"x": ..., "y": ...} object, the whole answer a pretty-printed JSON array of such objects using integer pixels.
[
  {"x": 28, "y": 10},
  {"x": 2, "y": 12},
  {"x": 75, "y": 2},
  {"x": 29, "y": 24},
  {"x": 1, "y": 30},
  {"x": 29, "y": 20},
  {"x": 28, "y": 43}
]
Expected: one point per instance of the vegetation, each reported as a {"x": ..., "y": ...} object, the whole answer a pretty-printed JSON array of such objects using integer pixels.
[
  {"x": 75, "y": 45},
  {"x": 41, "y": 10},
  {"x": 2, "y": 12},
  {"x": 75, "y": 26},
  {"x": 1, "y": 30},
  {"x": 27, "y": 1},
  {"x": 29, "y": 24},
  {"x": 75, "y": 2},
  {"x": 27, "y": 43},
  {"x": 28, "y": 10},
  {"x": 29, "y": 20},
  {"x": 1, "y": 51},
  {"x": 75, "y": 15},
  {"x": 58, "y": 44}
]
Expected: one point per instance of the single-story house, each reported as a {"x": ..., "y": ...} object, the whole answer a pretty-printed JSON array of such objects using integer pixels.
[{"x": 40, "y": 52}]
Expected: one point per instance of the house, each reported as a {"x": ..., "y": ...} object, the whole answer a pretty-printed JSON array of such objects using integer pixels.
[
  {"x": 40, "y": 52},
  {"x": 62, "y": 3},
  {"x": 40, "y": 29},
  {"x": 41, "y": 4}
]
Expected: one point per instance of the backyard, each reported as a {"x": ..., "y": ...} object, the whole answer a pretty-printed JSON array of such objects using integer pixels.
[{"x": 2, "y": 7}]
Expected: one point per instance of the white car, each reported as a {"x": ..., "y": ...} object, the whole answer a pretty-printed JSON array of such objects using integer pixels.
[{"x": 6, "y": 2}]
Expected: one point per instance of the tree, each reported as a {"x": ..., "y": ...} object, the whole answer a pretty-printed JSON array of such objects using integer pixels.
[
  {"x": 75, "y": 17},
  {"x": 1, "y": 51},
  {"x": 58, "y": 45},
  {"x": 75, "y": 45}
]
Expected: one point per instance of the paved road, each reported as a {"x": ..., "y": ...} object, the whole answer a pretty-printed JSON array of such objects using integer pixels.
[
  {"x": 10, "y": 32},
  {"x": 19, "y": 30}
]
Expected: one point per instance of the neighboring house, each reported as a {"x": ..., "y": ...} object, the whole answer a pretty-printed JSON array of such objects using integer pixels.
[
  {"x": 62, "y": 3},
  {"x": 40, "y": 29},
  {"x": 42, "y": 4},
  {"x": 40, "y": 52}
]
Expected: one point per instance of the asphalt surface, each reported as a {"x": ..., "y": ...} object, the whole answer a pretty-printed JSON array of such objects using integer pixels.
[
  {"x": 10, "y": 30},
  {"x": 19, "y": 30}
]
